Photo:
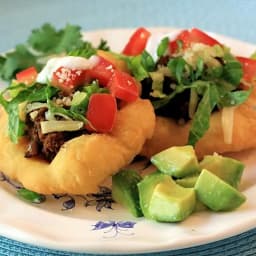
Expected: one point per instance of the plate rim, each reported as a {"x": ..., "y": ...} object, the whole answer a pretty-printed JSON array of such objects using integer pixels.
[{"x": 23, "y": 237}]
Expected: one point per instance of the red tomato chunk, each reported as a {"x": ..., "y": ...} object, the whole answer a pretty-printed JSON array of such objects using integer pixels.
[
  {"x": 68, "y": 79},
  {"x": 187, "y": 37},
  {"x": 101, "y": 112},
  {"x": 137, "y": 42},
  {"x": 123, "y": 86},
  {"x": 27, "y": 76},
  {"x": 102, "y": 71}
]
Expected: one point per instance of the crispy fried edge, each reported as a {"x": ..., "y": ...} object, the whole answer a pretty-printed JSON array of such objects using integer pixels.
[
  {"x": 84, "y": 162},
  {"x": 168, "y": 133}
]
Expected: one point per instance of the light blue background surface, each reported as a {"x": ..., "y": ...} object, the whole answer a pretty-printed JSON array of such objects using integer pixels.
[{"x": 235, "y": 18}]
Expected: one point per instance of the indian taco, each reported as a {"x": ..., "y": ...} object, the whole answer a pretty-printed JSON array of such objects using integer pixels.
[
  {"x": 203, "y": 95},
  {"x": 69, "y": 127}
]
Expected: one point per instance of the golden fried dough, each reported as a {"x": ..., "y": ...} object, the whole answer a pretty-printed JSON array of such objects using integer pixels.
[
  {"x": 84, "y": 162},
  {"x": 168, "y": 133}
]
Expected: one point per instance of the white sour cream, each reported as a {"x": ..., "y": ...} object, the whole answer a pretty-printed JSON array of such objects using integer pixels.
[{"x": 71, "y": 62}]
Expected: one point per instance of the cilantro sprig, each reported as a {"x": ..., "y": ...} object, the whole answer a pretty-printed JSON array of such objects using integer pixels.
[{"x": 43, "y": 43}]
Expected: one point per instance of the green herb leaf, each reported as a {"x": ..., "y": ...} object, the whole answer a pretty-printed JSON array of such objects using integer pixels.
[
  {"x": 86, "y": 51},
  {"x": 201, "y": 121},
  {"x": 70, "y": 39},
  {"x": 48, "y": 40},
  {"x": 177, "y": 68},
  {"x": 17, "y": 60},
  {"x": 162, "y": 47},
  {"x": 89, "y": 90},
  {"x": 37, "y": 92},
  {"x": 140, "y": 65},
  {"x": 147, "y": 61},
  {"x": 232, "y": 70},
  {"x": 44, "y": 39},
  {"x": 16, "y": 127},
  {"x": 234, "y": 98},
  {"x": 31, "y": 196},
  {"x": 42, "y": 43},
  {"x": 103, "y": 45}
]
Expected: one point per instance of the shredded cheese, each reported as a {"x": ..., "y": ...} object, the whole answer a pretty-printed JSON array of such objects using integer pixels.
[
  {"x": 227, "y": 122},
  {"x": 60, "y": 126}
]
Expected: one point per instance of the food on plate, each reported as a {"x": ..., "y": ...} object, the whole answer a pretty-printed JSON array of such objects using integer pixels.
[
  {"x": 171, "y": 193},
  {"x": 216, "y": 193},
  {"x": 125, "y": 190},
  {"x": 163, "y": 200},
  {"x": 202, "y": 93},
  {"x": 72, "y": 117},
  {"x": 177, "y": 161},
  {"x": 70, "y": 126}
]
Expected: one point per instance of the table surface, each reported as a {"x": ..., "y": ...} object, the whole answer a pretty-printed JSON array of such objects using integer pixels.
[{"x": 234, "y": 18}]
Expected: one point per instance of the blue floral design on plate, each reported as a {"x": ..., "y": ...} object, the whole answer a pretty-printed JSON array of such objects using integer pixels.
[{"x": 114, "y": 228}]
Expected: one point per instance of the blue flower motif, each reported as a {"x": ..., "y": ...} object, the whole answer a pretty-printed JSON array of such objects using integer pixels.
[{"x": 115, "y": 227}]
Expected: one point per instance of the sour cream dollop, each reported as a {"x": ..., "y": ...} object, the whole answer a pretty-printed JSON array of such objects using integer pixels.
[{"x": 72, "y": 62}]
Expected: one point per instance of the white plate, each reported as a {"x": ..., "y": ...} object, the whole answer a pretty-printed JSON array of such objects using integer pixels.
[{"x": 116, "y": 231}]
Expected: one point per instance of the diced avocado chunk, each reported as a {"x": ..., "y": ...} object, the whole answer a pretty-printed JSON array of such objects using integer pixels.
[
  {"x": 163, "y": 200},
  {"x": 188, "y": 181},
  {"x": 216, "y": 193},
  {"x": 228, "y": 169},
  {"x": 125, "y": 190},
  {"x": 177, "y": 161}
]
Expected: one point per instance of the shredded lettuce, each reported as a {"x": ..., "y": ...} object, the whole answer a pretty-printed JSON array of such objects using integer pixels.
[
  {"x": 213, "y": 78},
  {"x": 36, "y": 92}
]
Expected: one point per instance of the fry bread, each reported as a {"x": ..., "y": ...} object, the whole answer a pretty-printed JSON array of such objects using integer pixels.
[
  {"x": 84, "y": 162},
  {"x": 168, "y": 133}
]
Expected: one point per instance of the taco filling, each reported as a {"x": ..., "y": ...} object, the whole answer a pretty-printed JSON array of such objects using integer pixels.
[
  {"x": 71, "y": 96},
  {"x": 189, "y": 76}
]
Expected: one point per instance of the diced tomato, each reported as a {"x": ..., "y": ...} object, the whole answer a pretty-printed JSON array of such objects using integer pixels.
[
  {"x": 67, "y": 79},
  {"x": 198, "y": 36},
  {"x": 101, "y": 112},
  {"x": 27, "y": 76},
  {"x": 191, "y": 36},
  {"x": 184, "y": 38},
  {"x": 123, "y": 86},
  {"x": 249, "y": 68},
  {"x": 137, "y": 42},
  {"x": 102, "y": 71}
]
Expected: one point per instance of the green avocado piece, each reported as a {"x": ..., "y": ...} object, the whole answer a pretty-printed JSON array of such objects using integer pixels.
[
  {"x": 216, "y": 193},
  {"x": 177, "y": 161},
  {"x": 188, "y": 181},
  {"x": 163, "y": 200},
  {"x": 125, "y": 190},
  {"x": 228, "y": 169}
]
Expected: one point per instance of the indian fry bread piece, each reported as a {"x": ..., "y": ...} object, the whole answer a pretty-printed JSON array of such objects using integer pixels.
[
  {"x": 84, "y": 162},
  {"x": 167, "y": 133}
]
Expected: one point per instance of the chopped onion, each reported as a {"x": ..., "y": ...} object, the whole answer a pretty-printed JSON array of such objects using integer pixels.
[
  {"x": 227, "y": 122},
  {"x": 51, "y": 116},
  {"x": 33, "y": 114},
  {"x": 35, "y": 105},
  {"x": 60, "y": 126}
]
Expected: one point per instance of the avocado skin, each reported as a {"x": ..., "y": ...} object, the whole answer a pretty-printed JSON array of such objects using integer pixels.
[
  {"x": 163, "y": 200},
  {"x": 216, "y": 193},
  {"x": 177, "y": 161},
  {"x": 125, "y": 190},
  {"x": 228, "y": 169}
]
